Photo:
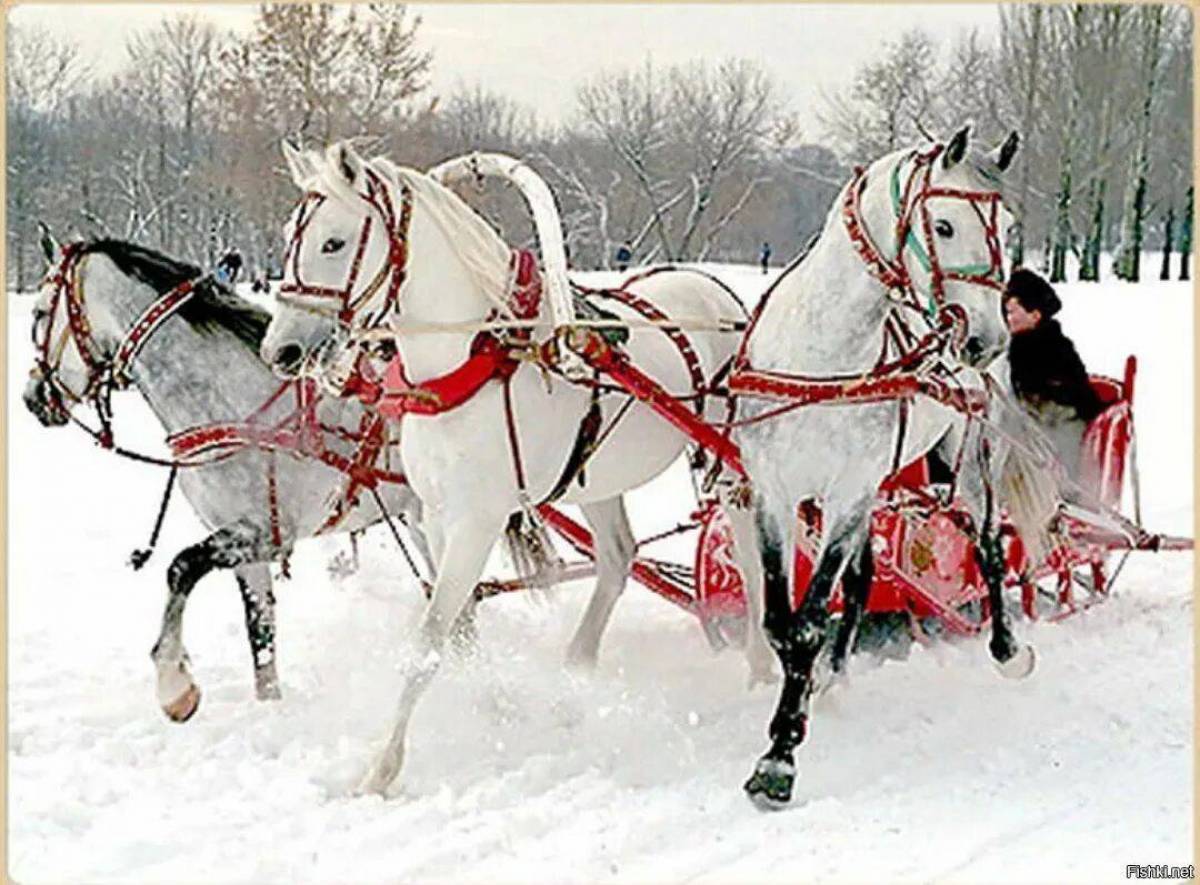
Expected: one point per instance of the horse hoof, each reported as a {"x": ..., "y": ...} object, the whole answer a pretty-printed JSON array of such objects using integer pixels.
[
  {"x": 267, "y": 691},
  {"x": 770, "y": 787},
  {"x": 183, "y": 707},
  {"x": 1020, "y": 665}
]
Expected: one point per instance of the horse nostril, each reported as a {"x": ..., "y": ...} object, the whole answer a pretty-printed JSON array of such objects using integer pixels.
[{"x": 287, "y": 358}]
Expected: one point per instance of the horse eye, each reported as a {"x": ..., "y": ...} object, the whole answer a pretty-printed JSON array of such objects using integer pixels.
[
  {"x": 944, "y": 229},
  {"x": 333, "y": 244}
]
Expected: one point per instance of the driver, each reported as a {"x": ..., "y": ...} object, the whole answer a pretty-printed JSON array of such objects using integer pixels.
[{"x": 1047, "y": 374}]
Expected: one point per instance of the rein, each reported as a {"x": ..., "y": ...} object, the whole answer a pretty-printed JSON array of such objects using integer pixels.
[{"x": 300, "y": 433}]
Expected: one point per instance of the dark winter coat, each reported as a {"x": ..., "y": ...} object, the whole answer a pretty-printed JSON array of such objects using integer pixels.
[{"x": 1046, "y": 369}]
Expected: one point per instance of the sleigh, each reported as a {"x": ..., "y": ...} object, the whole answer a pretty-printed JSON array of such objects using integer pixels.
[{"x": 924, "y": 563}]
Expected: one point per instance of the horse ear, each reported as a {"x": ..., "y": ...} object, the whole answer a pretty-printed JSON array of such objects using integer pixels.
[
  {"x": 347, "y": 162},
  {"x": 298, "y": 164},
  {"x": 957, "y": 148},
  {"x": 48, "y": 243},
  {"x": 1003, "y": 155}
]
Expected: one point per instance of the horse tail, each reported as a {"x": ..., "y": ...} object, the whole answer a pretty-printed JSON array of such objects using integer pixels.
[
  {"x": 531, "y": 551},
  {"x": 1030, "y": 491}
]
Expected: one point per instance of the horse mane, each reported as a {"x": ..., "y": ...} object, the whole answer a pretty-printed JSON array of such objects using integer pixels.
[
  {"x": 482, "y": 250},
  {"x": 212, "y": 307}
]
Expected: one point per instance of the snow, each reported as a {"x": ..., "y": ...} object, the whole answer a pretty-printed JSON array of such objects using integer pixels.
[{"x": 929, "y": 768}]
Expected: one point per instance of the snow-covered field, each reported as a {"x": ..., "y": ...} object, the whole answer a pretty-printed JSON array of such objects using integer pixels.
[{"x": 926, "y": 769}]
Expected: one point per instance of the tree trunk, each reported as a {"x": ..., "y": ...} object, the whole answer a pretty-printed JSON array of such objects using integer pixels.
[
  {"x": 1168, "y": 230},
  {"x": 1062, "y": 219},
  {"x": 1089, "y": 263},
  {"x": 1128, "y": 259},
  {"x": 1035, "y": 40},
  {"x": 1185, "y": 236}
]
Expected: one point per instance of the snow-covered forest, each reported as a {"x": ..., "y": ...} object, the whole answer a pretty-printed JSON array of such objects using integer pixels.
[{"x": 701, "y": 160}]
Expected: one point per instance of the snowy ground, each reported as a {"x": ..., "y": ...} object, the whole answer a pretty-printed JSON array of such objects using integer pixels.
[{"x": 926, "y": 769}]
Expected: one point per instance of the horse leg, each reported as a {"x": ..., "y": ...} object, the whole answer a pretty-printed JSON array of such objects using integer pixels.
[
  {"x": 462, "y": 558},
  {"x": 258, "y": 601},
  {"x": 614, "y": 552},
  {"x": 1013, "y": 659},
  {"x": 856, "y": 587},
  {"x": 178, "y": 694},
  {"x": 797, "y": 638},
  {"x": 759, "y": 655}
]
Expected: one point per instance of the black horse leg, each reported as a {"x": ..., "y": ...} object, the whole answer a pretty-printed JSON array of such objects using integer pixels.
[
  {"x": 225, "y": 548},
  {"x": 258, "y": 601},
  {"x": 797, "y": 638},
  {"x": 856, "y": 587}
]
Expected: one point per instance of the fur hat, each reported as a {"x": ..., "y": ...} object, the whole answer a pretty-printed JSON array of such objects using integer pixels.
[{"x": 1033, "y": 292}]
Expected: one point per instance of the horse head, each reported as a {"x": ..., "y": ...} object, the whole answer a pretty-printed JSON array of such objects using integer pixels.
[
  {"x": 66, "y": 344},
  {"x": 949, "y": 228},
  {"x": 344, "y": 245},
  {"x": 367, "y": 243}
]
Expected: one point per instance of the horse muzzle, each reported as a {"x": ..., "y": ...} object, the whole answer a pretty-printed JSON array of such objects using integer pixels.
[
  {"x": 285, "y": 359},
  {"x": 979, "y": 354},
  {"x": 44, "y": 403}
]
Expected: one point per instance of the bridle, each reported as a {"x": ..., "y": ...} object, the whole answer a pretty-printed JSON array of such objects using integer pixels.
[
  {"x": 910, "y": 363},
  {"x": 914, "y": 235},
  {"x": 105, "y": 372},
  {"x": 341, "y": 302}
]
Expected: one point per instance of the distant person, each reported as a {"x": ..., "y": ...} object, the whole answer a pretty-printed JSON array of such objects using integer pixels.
[
  {"x": 228, "y": 268},
  {"x": 764, "y": 257},
  {"x": 1048, "y": 376},
  {"x": 624, "y": 255}
]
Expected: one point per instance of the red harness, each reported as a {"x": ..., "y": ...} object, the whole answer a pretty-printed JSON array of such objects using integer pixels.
[
  {"x": 103, "y": 373},
  {"x": 299, "y": 433},
  {"x": 916, "y": 365}
]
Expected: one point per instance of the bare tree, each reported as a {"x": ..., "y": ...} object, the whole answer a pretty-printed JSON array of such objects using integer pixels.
[
  {"x": 720, "y": 116},
  {"x": 1126, "y": 263},
  {"x": 890, "y": 100},
  {"x": 628, "y": 110},
  {"x": 1075, "y": 26},
  {"x": 44, "y": 73},
  {"x": 1110, "y": 27}
]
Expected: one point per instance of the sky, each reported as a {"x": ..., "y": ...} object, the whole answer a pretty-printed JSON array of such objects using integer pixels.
[{"x": 537, "y": 53}]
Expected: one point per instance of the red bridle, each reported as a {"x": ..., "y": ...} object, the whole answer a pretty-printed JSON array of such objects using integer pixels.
[
  {"x": 911, "y": 207},
  {"x": 104, "y": 372},
  {"x": 342, "y": 301}
]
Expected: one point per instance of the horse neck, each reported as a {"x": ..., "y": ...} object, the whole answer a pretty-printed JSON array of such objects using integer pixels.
[
  {"x": 440, "y": 288},
  {"x": 187, "y": 377},
  {"x": 827, "y": 315}
]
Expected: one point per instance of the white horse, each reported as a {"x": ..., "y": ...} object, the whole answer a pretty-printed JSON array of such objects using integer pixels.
[
  {"x": 911, "y": 244},
  {"x": 198, "y": 368},
  {"x": 378, "y": 245}
]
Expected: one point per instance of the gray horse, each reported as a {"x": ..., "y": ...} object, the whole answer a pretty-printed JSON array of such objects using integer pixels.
[{"x": 200, "y": 369}]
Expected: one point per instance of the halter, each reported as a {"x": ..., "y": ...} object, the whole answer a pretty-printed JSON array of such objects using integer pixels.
[
  {"x": 341, "y": 302},
  {"x": 104, "y": 372}
]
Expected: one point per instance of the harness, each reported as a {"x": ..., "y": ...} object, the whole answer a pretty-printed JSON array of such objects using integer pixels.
[
  {"x": 104, "y": 374},
  {"x": 299, "y": 433},
  {"x": 909, "y": 364}
]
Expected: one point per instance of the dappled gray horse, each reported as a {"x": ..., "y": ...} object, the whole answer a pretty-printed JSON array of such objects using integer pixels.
[{"x": 260, "y": 472}]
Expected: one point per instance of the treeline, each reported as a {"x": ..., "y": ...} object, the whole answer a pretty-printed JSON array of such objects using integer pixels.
[{"x": 699, "y": 161}]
